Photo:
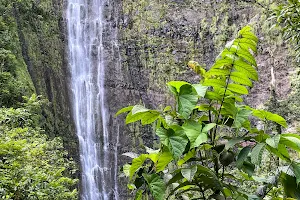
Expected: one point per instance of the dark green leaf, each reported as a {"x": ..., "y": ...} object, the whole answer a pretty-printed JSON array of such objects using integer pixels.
[
  {"x": 156, "y": 185},
  {"x": 256, "y": 153},
  {"x": 242, "y": 156}
]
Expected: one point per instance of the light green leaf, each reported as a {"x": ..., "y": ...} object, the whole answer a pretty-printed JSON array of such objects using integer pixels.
[
  {"x": 273, "y": 141},
  {"x": 207, "y": 127},
  {"x": 192, "y": 130},
  {"x": 156, "y": 185},
  {"x": 126, "y": 169},
  {"x": 163, "y": 135},
  {"x": 262, "y": 114},
  {"x": 137, "y": 163},
  {"x": 138, "y": 109},
  {"x": 187, "y": 100},
  {"x": 167, "y": 108},
  {"x": 213, "y": 96},
  {"x": 153, "y": 157},
  {"x": 246, "y": 32},
  {"x": 201, "y": 139},
  {"x": 189, "y": 173},
  {"x": 240, "y": 117},
  {"x": 240, "y": 78},
  {"x": 256, "y": 153},
  {"x": 131, "y": 186},
  {"x": 174, "y": 138},
  {"x": 149, "y": 117},
  {"x": 146, "y": 116},
  {"x": 246, "y": 68},
  {"x": 239, "y": 89},
  {"x": 290, "y": 141},
  {"x": 217, "y": 71},
  {"x": 138, "y": 195},
  {"x": 163, "y": 160},
  {"x": 200, "y": 89},
  {"x": 215, "y": 82},
  {"x": 123, "y": 110},
  {"x": 177, "y": 85},
  {"x": 186, "y": 157}
]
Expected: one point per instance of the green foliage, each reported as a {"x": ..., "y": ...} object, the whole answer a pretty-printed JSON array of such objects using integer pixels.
[
  {"x": 207, "y": 145},
  {"x": 288, "y": 17},
  {"x": 32, "y": 166},
  {"x": 10, "y": 90}
]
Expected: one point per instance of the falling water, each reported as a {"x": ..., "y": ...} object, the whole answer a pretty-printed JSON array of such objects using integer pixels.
[{"x": 87, "y": 25}]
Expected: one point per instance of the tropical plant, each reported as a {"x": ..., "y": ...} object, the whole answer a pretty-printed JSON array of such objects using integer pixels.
[
  {"x": 288, "y": 17},
  {"x": 208, "y": 146},
  {"x": 32, "y": 166}
]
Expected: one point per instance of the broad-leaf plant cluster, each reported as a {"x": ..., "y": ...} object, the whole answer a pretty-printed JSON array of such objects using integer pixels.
[{"x": 208, "y": 146}]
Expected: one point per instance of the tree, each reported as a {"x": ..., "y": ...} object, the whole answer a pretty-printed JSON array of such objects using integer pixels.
[
  {"x": 288, "y": 17},
  {"x": 208, "y": 147},
  {"x": 32, "y": 166}
]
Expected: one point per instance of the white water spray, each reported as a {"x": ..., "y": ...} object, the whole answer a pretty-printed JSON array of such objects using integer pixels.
[{"x": 86, "y": 24}]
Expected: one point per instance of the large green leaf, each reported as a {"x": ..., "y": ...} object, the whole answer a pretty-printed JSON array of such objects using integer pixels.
[
  {"x": 139, "y": 109},
  {"x": 176, "y": 85},
  {"x": 137, "y": 163},
  {"x": 262, "y": 114},
  {"x": 156, "y": 185},
  {"x": 174, "y": 138},
  {"x": 207, "y": 127},
  {"x": 123, "y": 110},
  {"x": 146, "y": 116},
  {"x": 200, "y": 89},
  {"x": 192, "y": 130},
  {"x": 273, "y": 141},
  {"x": 187, "y": 100},
  {"x": 202, "y": 138},
  {"x": 189, "y": 173},
  {"x": 240, "y": 117},
  {"x": 256, "y": 153},
  {"x": 163, "y": 160}
]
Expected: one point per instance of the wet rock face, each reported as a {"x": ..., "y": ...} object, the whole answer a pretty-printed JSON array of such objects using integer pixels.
[{"x": 155, "y": 41}]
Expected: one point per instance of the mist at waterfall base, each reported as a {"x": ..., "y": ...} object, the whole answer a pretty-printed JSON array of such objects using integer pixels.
[{"x": 86, "y": 24}]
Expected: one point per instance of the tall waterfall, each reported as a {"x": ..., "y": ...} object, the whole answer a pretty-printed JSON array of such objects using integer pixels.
[{"x": 87, "y": 28}]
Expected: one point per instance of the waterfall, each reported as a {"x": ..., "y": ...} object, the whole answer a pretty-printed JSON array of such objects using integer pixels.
[{"x": 88, "y": 48}]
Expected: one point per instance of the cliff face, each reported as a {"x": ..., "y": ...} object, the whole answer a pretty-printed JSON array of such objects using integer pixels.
[
  {"x": 156, "y": 40},
  {"x": 40, "y": 48}
]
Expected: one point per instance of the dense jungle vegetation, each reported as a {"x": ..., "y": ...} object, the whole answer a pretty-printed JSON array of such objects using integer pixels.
[
  {"x": 33, "y": 164},
  {"x": 208, "y": 145}
]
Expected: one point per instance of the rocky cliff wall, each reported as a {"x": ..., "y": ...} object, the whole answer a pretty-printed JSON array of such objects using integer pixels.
[{"x": 156, "y": 40}]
